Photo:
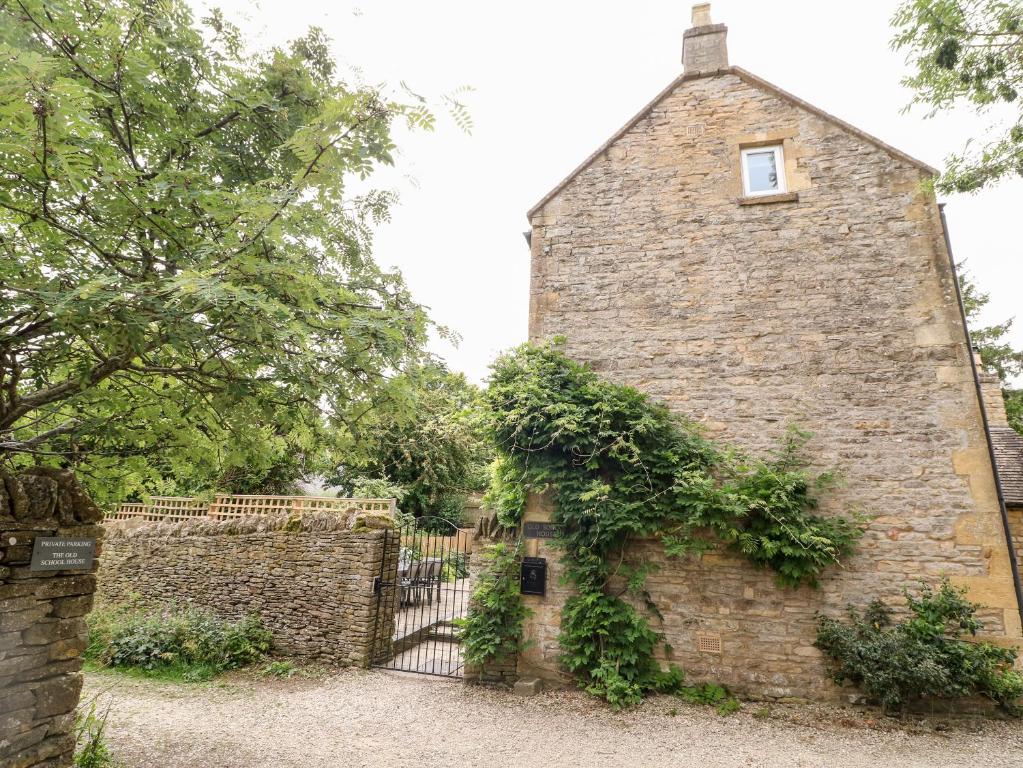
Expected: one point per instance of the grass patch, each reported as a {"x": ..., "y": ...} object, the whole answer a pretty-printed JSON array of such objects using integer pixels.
[{"x": 177, "y": 644}]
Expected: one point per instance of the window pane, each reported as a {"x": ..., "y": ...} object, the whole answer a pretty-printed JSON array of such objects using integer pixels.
[{"x": 761, "y": 171}]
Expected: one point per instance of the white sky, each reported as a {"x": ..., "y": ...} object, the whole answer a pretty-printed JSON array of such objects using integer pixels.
[{"x": 553, "y": 80}]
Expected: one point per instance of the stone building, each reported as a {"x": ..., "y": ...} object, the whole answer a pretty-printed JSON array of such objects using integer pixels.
[
  {"x": 1007, "y": 444},
  {"x": 754, "y": 262}
]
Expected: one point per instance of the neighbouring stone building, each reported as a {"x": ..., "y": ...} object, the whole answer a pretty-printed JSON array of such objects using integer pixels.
[
  {"x": 754, "y": 262},
  {"x": 1008, "y": 448}
]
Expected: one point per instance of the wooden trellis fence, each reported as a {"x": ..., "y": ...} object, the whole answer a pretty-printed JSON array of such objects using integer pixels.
[{"x": 173, "y": 508}]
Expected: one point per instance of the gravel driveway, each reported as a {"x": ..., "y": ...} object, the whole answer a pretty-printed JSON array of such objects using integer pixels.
[{"x": 380, "y": 719}]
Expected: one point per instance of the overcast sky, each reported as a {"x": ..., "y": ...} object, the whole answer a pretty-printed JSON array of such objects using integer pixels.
[{"x": 553, "y": 80}]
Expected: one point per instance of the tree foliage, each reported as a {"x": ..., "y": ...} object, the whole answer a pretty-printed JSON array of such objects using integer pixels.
[
  {"x": 618, "y": 468},
  {"x": 185, "y": 271},
  {"x": 929, "y": 654},
  {"x": 968, "y": 51},
  {"x": 435, "y": 447}
]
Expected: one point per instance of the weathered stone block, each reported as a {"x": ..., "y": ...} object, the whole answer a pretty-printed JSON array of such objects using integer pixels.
[
  {"x": 41, "y": 629},
  {"x": 528, "y": 686}
]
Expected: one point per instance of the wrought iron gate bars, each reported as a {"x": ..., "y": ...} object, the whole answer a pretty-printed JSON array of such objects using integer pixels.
[{"x": 419, "y": 595}]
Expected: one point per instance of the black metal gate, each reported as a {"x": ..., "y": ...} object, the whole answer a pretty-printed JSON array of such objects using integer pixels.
[{"x": 422, "y": 590}]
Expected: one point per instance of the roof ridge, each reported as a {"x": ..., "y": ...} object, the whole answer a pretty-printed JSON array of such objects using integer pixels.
[{"x": 752, "y": 79}]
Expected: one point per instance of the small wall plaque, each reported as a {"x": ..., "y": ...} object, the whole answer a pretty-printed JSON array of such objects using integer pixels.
[
  {"x": 539, "y": 530},
  {"x": 50, "y": 553},
  {"x": 533, "y": 576}
]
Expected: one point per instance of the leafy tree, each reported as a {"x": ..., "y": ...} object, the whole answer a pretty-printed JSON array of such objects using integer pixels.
[
  {"x": 968, "y": 51},
  {"x": 185, "y": 275},
  {"x": 435, "y": 447},
  {"x": 996, "y": 353},
  {"x": 1014, "y": 408}
]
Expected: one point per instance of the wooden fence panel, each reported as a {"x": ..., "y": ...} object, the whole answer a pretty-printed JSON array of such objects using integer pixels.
[{"x": 172, "y": 508}]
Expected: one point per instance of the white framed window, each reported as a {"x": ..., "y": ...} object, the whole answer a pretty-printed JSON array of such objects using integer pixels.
[{"x": 763, "y": 171}]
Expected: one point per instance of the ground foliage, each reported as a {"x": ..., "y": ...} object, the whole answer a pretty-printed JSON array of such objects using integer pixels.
[
  {"x": 91, "y": 748},
  {"x": 929, "y": 654},
  {"x": 620, "y": 467},
  {"x": 182, "y": 643},
  {"x": 186, "y": 275},
  {"x": 968, "y": 52}
]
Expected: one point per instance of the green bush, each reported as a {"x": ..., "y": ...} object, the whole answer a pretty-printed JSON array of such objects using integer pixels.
[
  {"x": 279, "y": 669},
  {"x": 456, "y": 566},
  {"x": 185, "y": 643},
  {"x": 925, "y": 655},
  {"x": 711, "y": 695},
  {"x": 610, "y": 648}
]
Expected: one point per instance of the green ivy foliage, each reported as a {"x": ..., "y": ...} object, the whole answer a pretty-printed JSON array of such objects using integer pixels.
[
  {"x": 492, "y": 628},
  {"x": 610, "y": 648},
  {"x": 620, "y": 467},
  {"x": 924, "y": 655}
]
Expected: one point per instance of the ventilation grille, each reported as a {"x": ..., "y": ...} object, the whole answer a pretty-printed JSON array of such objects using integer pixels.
[{"x": 708, "y": 643}]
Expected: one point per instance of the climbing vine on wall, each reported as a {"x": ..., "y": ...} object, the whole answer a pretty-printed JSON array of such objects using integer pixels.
[
  {"x": 492, "y": 630},
  {"x": 620, "y": 467}
]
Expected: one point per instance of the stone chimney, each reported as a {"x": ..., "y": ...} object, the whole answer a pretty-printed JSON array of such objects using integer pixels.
[
  {"x": 991, "y": 392},
  {"x": 703, "y": 45}
]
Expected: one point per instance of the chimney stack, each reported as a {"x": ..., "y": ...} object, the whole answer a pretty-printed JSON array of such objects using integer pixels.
[
  {"x": 991, "y": 392},
  {"x": 703, "y": 45}
]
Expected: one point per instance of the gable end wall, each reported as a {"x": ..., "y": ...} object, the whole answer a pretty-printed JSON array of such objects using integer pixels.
[{"x": 836, "y": 312}]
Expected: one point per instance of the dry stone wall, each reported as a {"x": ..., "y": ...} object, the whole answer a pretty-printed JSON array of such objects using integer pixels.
[
  {"x": 42, "y": 618},
  {"x": 310, "y": 581},
  {"x": 832, "y": 307}
]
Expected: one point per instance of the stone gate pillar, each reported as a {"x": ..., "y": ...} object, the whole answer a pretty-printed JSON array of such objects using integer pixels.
[{"x": 42, "y": 617}]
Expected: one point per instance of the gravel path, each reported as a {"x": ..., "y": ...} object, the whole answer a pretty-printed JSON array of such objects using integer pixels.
[{"x": 381, "y": 719}]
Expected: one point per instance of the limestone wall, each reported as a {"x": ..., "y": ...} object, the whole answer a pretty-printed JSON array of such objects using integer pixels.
[
  {"x": 42, "y": 619},
  {"x": 311, "y": 583},
  {"x": 832, "y": 307}
]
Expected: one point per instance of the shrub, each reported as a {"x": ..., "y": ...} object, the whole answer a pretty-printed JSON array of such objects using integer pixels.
[
  {"x": 711, "y": 695},
  {"x": 175, "y": 642},
  {"x": 610, "y": 648},
  {"x": 456, "y": 566},
  {"x": 377, "y": 488},
  {"x": 924, "y": 655}
]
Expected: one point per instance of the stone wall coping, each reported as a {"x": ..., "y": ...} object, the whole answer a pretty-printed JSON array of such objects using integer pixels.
[{"x": 316, "y": 522}]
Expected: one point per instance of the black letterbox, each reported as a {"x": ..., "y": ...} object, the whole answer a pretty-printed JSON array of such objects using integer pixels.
[{"x": 533, "y": 578}]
